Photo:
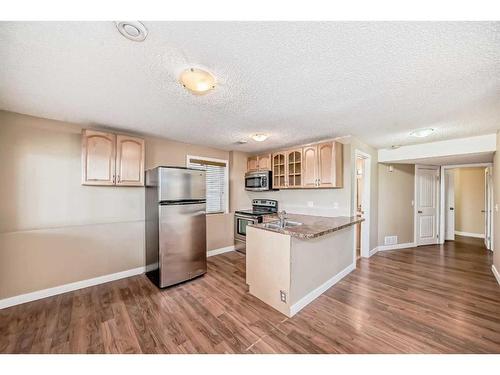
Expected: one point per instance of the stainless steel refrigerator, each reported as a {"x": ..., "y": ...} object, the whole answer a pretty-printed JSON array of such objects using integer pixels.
[{"x": 176, "y": 245}]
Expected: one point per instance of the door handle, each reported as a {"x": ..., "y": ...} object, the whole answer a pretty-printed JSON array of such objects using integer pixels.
[
  {"x": 420, "y": 212},
  {"x": 483, "y": 211},
  {"x": 451, "y": 208}
]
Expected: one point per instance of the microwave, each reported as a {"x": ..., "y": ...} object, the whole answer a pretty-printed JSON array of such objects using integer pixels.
[{"x": 258, "y": 181}]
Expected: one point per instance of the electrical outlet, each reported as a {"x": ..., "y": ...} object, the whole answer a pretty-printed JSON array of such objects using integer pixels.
[
  {"x": 283, "y": 296},
  {"x": 335, "y": 204},
  {"x": 310, "y": 204}
]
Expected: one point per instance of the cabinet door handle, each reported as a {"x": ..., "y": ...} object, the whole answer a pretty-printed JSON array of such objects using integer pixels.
[
  {"x": 118, "y": 179},
  {"x": 420, "y": 212}
]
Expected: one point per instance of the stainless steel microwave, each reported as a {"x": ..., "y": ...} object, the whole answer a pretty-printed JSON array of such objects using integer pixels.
[{"x": 258, "y": 181}]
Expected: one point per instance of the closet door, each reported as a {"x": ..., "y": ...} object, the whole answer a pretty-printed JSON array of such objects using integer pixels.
[
  {"x": 129, "y": 161},
  {"x": 98, "y": 158}
]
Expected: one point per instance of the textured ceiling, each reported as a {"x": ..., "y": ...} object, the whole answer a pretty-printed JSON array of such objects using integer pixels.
[{"x": 297, "y": 81}]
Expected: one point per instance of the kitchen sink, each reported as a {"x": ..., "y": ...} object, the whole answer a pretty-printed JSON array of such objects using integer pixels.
[{"x": 277, "y": 225}]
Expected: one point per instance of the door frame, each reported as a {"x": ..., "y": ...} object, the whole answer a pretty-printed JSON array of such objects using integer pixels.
[
  {"x": 442, "y": 216},
  {"x": 365, "y": 225},
  {"x": 438, "y": 208}
]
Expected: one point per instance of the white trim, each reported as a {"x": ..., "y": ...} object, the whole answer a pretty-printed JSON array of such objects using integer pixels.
[
  {"x": 365, "y": 226},
  {"x": 44, "y": 293},
  {"x": 442, "y": 214},
  {"x": 398, "y": 246},
  {"x": 439, "y": 184},
  {"x": 222, "y": 250},
  {"x": 468, "y": 234},
  {"x": 462, "y": 146},
  {"x": 226, "y": 177},
  {"x": 308, "y": 298},
  {"x": 373, "y": 251},
  {"x": 495, "y": 273}
]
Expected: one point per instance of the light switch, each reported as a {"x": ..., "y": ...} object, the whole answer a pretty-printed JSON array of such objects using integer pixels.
[
  {"x": 496, "y": 207},
  {"x": 310, "y": 204}
]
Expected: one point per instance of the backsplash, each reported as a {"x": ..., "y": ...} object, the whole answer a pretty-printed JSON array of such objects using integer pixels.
[{"x": 327, "y": 202}]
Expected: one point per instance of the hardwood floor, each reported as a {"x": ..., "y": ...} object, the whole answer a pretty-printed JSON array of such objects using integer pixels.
[{"x": 427, "y": 300}]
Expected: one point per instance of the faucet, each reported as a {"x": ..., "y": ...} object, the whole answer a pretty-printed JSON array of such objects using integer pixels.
[{"x": 282, "y": 217}]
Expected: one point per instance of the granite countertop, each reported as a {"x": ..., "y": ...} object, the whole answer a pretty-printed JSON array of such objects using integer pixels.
[{"x": 312, "y": 226}]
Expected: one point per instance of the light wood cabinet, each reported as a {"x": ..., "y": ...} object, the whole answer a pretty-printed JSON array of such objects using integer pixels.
[
  {"x": 310, "y": 156},
  {"x": 252, "y": 164},
  {"x": 330, "y": 166},
  {"x": 279, "y": 173},
  {"x": 294, "y": 168},
  {"x": 129, "y": 161},
  {"x": 98, "y": 158},
  {"x": 264, "y": 162},
  {"x": 312, "y": 166},
  {"x": 110, "y": 159},
  {"x": 259, "y": 163}
]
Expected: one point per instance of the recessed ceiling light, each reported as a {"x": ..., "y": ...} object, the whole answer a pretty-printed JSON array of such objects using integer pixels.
[
  {"x": 260, "y": 137},
  {"x": 421, "y": 133},
  {"x": 197, "y": 81},
  {"x": 132, "y": 30}
]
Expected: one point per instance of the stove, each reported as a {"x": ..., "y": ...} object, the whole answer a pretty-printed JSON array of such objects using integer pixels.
[{"x": 260, "y": 208}]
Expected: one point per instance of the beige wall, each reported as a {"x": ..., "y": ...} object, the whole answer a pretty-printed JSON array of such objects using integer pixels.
[
  {"x": 53, "y": 230},
  {"x": 239, "y": 198},
  {"x": 356, "y": 144},
  {"x": 496, "y": 195},
  {"x": 469, "y": 200},
  {"x": 396, "y": 193}
]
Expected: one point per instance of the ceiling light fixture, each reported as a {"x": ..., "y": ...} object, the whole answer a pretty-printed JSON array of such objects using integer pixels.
[
  {"x": 132, "y": 30},
  {"x": 260, "y": 137},
  {"x": 421, "y": 133},
  {"x": 197, "y": 81}
]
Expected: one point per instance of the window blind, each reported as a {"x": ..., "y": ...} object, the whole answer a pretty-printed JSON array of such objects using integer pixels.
[{"x": 215, "y": 183}]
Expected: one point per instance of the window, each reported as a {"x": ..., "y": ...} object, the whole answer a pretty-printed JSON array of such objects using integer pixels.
[{"x": 217, "y": 180}]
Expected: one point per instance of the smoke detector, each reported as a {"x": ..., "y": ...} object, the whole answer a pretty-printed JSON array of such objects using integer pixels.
[{"x": 132, "y": 30}]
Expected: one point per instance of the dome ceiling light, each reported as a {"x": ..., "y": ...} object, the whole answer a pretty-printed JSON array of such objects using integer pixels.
[
  {"x": 260, "y": 137},
  {"x": 197, "y": 81},
  {"x": 132, "y": 30},
  {"x": 422, "y": 133}
]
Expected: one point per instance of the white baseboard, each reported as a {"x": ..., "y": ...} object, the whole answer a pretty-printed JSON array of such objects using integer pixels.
[
  {"x": 44, "y": 293},
  {"x": 468, "y": 234},
  {"x": 221, "y": 250},
  {"x": 396, "y": 247},
  {"x": 495, "y": 273},
  {"x": 308, "y": 298},
  {"x": 373, "y": 251}
]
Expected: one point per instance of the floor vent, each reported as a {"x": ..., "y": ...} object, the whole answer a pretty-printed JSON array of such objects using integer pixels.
[{"x": 390, "y": 240}]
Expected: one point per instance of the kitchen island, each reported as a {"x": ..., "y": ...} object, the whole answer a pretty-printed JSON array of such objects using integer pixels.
[{"x": 288, "y": 267}]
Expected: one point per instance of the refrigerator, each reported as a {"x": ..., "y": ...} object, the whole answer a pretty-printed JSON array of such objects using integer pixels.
[{"x": 176, "y": 245}]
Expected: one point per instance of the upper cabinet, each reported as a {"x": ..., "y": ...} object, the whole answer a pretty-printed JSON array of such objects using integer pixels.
[
  {"x": 330, "y": 166},
  {"x": 98, "y": 158},
  {"x": 129, "y": 161},
  {"x": 109, "y": 159},
  {"x": 264, "y": 162},
  {"x": 279, "y": 172},
  {"x": 310, "y": 166},
  {"x": 318, "y": 165},
  {"x": 259, "y": 163}
]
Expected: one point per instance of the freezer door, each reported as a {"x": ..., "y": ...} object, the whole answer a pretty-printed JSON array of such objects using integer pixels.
[
  {"x": 181, "y": 184},
  {"x": 183, "y": 242}
]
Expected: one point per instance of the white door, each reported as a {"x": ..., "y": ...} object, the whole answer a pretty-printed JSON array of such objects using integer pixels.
[
  {"x": 449, "y": 206},
  {"x": 488, "y": 203},
  {"x": 427, "y": 188}
]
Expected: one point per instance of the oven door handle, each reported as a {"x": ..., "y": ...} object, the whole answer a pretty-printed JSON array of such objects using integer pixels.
[{"x": 253, "y": 218}]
